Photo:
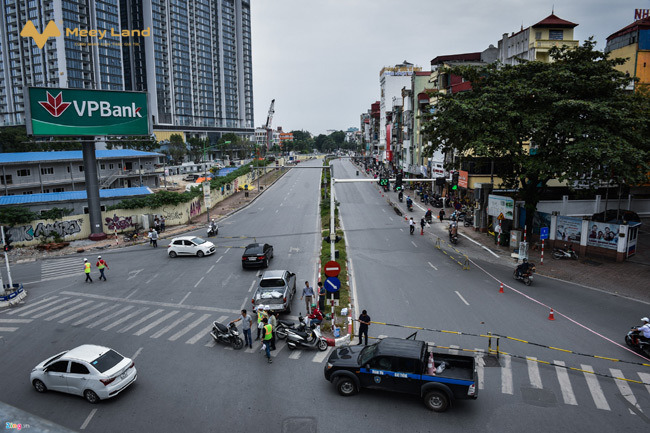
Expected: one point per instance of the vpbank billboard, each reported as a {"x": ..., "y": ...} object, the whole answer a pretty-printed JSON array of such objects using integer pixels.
[{"x": 59, "y": 111}]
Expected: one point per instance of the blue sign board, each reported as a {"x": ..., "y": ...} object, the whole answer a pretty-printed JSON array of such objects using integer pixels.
[
  {"x": 332, "y": 284},
  {"x": 543, "y": 233}
]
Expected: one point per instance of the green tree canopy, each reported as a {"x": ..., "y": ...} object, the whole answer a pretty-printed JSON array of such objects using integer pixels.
[
  {"x": 570, "y": 120},
  {"x": 177, "y": 148}
]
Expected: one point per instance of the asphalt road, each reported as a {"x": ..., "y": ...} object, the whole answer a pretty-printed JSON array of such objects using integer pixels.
[{"x": 158, "y": 310}]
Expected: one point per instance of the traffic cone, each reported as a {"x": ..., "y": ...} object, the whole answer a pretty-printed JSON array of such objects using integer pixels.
[
  {"x": 550, "y": 315},
  {"x": 501, "y": 288},
  {"x": 431, "y": 369}
]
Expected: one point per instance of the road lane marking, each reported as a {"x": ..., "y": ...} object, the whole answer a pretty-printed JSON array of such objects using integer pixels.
[
  {"x": 252, "y": 285},
  {"x": 414, "y": 244},
  {"x": 565, "y": 384},
  {"x": 90, "y": 416},
  {"x": 186, "y": 295},
  {"x": 390, "y": 218},
  {"x": 295, "y": 354},
  {"x": 8, "y": 329},
  {"x": 533, "y": 372},
  {"x": 42, "y": 307},
  {"x": 172, "y": 325},
  {"x": 320, "y": 356},
  {"x": 595, "y": 389},
  {"x": 188, "y": 328},
  {"x": 16, "y": 320},
  {"x": 461, "y": 298},
  {"x": 480, "y": 245},
  {"x": 64, "y": 312},
  {"x": 82, "y": 312},
  {"x": 221, "y": 257},
  {"x": 203, "y": 333},
  {"x": 155, "y": 323},
  {"x": 21, "y": 309},
  {"x": 92, "y": 316},
  {"x": 506, "y": 375},
  {"x": 132, "y": 293},
  {"x": 226, "y": 252},
  {"x": 211, "y": 268},
  {"x": 137, "y": 352},
  {"x": 624, "y": 388},
  {"x": 110, "y": 316},
  {"x": 144, "y": 319},
  {"x": 58, "y": 307},
  {"x": 243, "y": 304},
  {"x": 197, "y": 283},
  {"x": 432, "y": 266},
  {"x": 454, "y": 349},
  {"x": 279, "y": 345},
  {"x": 151, "y": 279},
  {"x": 124, "y": 319},
  {"x": 480, "y": 369},
  {"x": 134, "y": 273},
  {"x": 384, "y": 210}
]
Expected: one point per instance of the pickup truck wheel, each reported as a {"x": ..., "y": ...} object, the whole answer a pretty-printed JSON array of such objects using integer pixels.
[
  {"x": 346, "y": 387},
  {"x": 436, "y": 401}
]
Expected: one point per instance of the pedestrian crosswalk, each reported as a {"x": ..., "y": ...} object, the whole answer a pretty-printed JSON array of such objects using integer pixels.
[
  {"x": 61, "y": 268},
  {"x": 190, "y": 325}
]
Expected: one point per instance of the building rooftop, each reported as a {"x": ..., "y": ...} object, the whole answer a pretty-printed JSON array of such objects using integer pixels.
[
  {"x": 65, "y": 155},
  {"x": 642, "y": 24},
  {"x": 465, "y": 57},
  {"x": 554, "y": 21},
  {"x": 10, "y": 200}
]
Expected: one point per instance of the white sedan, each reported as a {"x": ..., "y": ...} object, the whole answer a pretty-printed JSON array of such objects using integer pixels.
[
  {"x": 94, "y": 372},
  {"x": 190, "y": 246}
]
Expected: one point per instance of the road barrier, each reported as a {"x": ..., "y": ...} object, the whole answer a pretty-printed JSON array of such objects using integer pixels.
[{"x": 464, "y": 264}]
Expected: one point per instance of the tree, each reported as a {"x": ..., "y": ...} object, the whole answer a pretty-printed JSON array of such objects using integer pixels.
[
  {"x": 177, "y": 148},
  {"x": 569, "y": 120},
  {"x": 16, "y": 215},
  {"x": 197, "y": 146}
]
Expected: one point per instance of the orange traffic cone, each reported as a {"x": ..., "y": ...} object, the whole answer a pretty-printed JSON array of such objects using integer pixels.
[
  {"x": 550, "y": 315},
  {"x": 501, "y": 288}
]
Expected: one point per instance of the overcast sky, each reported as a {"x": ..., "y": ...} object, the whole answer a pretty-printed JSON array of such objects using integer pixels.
[{"x": 320, "y": 59}]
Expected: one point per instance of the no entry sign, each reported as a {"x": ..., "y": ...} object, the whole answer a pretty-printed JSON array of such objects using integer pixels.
[{"x": 332, "y": 269}]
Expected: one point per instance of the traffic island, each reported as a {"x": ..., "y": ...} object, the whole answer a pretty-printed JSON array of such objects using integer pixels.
[{"x": 12, "y": 295}]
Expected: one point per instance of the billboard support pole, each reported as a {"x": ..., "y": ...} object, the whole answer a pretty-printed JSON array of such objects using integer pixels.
[{"x": 92, "y": 191}]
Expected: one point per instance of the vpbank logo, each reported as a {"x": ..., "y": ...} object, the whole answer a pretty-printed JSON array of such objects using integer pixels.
[
  {"x": 51, "y": 31},
  {"x": 54, "y": 104}
]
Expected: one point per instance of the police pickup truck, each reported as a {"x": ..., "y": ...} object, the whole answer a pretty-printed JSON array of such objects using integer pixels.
[{"x": 402, "y": 365}]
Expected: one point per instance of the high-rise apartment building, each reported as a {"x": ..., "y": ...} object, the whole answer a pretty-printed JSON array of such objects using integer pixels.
[{"x": 193, "y": 57}]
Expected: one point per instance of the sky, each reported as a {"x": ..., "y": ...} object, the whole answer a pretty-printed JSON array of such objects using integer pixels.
[{"x": 320, "y": 59}]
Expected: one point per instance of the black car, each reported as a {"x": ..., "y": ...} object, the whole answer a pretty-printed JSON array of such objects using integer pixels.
[{"x": 257, "y": 255}]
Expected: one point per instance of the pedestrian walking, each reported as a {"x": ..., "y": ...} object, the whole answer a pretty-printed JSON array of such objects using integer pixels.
[
  {"x": 322, "y": 295},
  {"x": 422, "y": 224},
  {"x": 441, "y": 214},
  {"x": 267, "y": 334},
  {"x": 156, "y": 224},
  {"x": 87, "y": 271},
  {"x": 154, "y": 238},
  {"x": 150, "y": 236},
  {"x": 101, "y": 265},
  {"x": 260, "y": 317},
  {"x": 247, "y": 322},
  {"x": 364, "y": 322},
  {"x": 411, "y": 226},
  {"x": 307, "y": 295},
  {"x": 273, "y": 321},
  {"x": 162, "y": 224}
]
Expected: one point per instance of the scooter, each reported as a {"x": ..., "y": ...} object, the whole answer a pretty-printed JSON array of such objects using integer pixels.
[
  {"x": 641, "y": 346},
  {"x": 283, "y": 327},
  {"x": 400, "y": 196},
  {"x": 227, "y": 334},
  {"x": 526, "y": 278},
  {"x": 306, "y": 340},
  {"x": 213, "y": 231},
  {"x": 564, "y": 253},
  {"x": 453, "y": 238},
  {"x": 469, "y": 220},
  {"x": 428, "y": 218},
  {"x": 409, "y": 206}
]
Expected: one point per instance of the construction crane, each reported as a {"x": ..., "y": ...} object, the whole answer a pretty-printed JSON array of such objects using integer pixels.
[{"x": 269, "y": 119}]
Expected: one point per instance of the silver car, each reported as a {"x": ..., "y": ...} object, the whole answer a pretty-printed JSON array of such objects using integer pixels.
[
  {"x": 94, "y": 372},
  {"x": 276, "y": 289}
]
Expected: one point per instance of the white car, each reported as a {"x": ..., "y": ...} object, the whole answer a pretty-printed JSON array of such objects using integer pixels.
[
  {"x": 190, "y": 246},
  {"x": 94, "y": 372}
]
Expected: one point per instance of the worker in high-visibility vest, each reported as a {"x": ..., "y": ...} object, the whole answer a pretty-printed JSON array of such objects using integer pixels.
[
  {"x": 87, "y": 271},
  {"x": 267, "y": 334},
  {"x": 261, "y": 314},
  {"x": 101, "y": 264}
]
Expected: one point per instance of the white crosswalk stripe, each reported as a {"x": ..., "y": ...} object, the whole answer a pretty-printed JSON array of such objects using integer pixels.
[
  {"x": 30, "y": 305},
  {"x": 8, "y": 328},
  {"x": 82, "y": 312},
  {"x": 624, "y": 388},
  {"x": 61, "y": 268},
  {"x": 645, "y": 378},
  {"x": 533, "y": 372},
  {"x": 110, "y": 316},
  {"x": 65, "y": 312},
  {"x": 156, "y": 323},
  {"x": 506, "y": 375},
  {"x": 124, "y": 319},
  {"x": 565, "y": 384},
  {"x": 322, "y": 356},
  {"x": 92, "y": 316},
  {"x": 57, "y": 308},
  {"x": 144, "y": 319},
  {"x": 188, "y": 328},
  {"x": 42, "y": 307},
  {"x": 594, "y": 388},
  {"x": 172, "y": 325},
  {"x": 295, "y": 354},
  {"x": 480, "y": 369}
]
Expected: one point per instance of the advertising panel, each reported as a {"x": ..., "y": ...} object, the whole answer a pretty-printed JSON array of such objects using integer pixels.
[
  {"x": 603, "y": 235},
  {"x": 79, "y": 112},
  {"x": 463, "y": 176},
  {"x": 568, "y": 229},
  {"x": 499, "y": 205}
]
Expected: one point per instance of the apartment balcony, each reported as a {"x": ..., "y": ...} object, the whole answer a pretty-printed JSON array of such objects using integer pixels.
[{"x": 546, "y": 44}]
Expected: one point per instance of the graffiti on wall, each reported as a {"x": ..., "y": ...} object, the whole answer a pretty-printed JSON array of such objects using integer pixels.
[
  {"x": 195, "y": 208},
  {"x": 28, "y": 232},
  {"x": 119, "y": 223},
  {"x": 172, "y": 214}
]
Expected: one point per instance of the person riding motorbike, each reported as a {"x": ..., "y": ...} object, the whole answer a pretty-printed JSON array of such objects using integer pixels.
[
  {"x": 409, "y": 202},
  {"x": 428, "y": 216},
  {"x": 400, "y": 195},
  {"x": 316, "y": 317},
  {"x": 213, "y": 225},
  {"x": 644, "y": 330},
  {"x": 453, "y": 230},
  {"x": 523, "y": 268}
]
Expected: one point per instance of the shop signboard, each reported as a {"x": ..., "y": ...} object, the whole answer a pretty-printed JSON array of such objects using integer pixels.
[
  {"x": 501, "y": 205},
  {"x": 568, "y": 229},
  {"x": 603, "y": 235}
]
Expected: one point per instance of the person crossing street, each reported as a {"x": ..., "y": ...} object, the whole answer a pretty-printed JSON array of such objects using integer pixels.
[
  {"x": 101, "y": 265},
  {"x": 267, "y": 335},
  {"x": 87, "y": 271}
]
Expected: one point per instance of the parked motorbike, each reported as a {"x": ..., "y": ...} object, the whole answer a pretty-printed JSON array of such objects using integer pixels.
[
  {"x": 525, "y": 277},
  {"x": 227, "y": 334},
  {"x": 469, "y": 220},
  {"x": 283, "y": 327},
  {"x": 308, "y": 339},
  {"x": 641, "y": 346},
  {"x": 213, "y": 230},
  {"x": 565, "y": 253},
  {"x": 133, "y": 236}
]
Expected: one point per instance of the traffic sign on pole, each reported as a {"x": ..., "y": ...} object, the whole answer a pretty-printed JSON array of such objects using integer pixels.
[
  {"x": 332, "y": 284},
  {"x": 332, "y": 269},
  {"x": 543, "y": 233}
]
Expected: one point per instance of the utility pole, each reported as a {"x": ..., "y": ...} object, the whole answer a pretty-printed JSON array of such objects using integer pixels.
[{"x": 2, "y": 230}]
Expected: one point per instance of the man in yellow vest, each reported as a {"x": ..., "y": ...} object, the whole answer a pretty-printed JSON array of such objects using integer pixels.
[
  {"x": 267, "y": 334},
  {"x": 101, "y": 264},
  {"x": 87, "y": 271},
  {"x": 261, "y": 314}
]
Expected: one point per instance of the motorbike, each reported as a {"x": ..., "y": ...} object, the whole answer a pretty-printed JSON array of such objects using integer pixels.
[
  {"x": 227, "y": 334},
  {"x": 468, "y": 221},
  {"x": 641, "y": 346},
  {"x": 400, "y": 196},
  {"x": 133, "y": 236},
  {"x": 453, "y": 238},
  {"x": 565, "y": 253},
  {"x": 527, "y": 277},
  {"x": 409, "y": 206},
  {"x": 311, "y": 339},
  {"x": 428, "y": 218},
  {"x": 213, "y": 230},
  {"x": 283, "y": 327}
]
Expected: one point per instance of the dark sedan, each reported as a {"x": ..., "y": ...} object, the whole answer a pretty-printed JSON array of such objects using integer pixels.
[{"x": 257, "y": 255}]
